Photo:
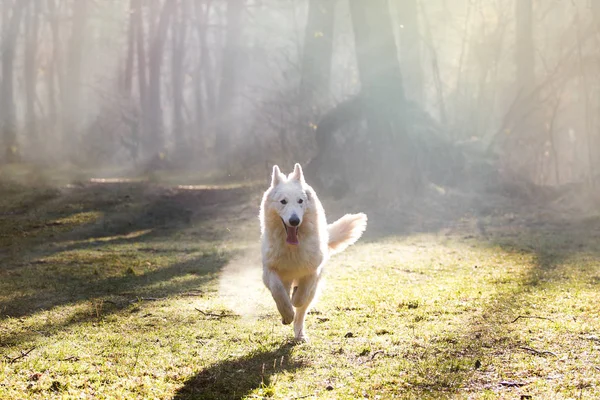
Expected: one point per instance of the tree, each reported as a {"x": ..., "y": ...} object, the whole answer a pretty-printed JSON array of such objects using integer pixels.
[
  {"x": 316, "y": 60},
  {"x": 7, "y": 101},
  {"x": 54, "y": 71},
  {"x": 127, "y": 81},
  {"x": 524, "y": 51},
  {"x": 382, "y": 94},
  {"x": 72, "y": 86},
  {"x": 228, "y": 79},
  {"x": 178, "y": 49},
  {"x": 410, "y": 49},
  {"x": 31, "y": 69},
  {"x": 154, "y": 113}
]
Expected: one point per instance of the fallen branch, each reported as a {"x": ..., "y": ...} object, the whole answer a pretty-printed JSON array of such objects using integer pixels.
[
  {"x": 375, "y": 354},
  {"x": 537, "y": 352},
  {"x": 531, "y": 317},
  {"x": 512, "y": 384},
  {"x": 146, "y": 299},
  {"x": 372, "y": 357},
  {"x": 223, "y": 314},
  {"x": 23, "y": 355}
]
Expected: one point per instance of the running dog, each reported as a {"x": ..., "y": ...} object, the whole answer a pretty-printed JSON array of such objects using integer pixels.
[{"x": 297, "y": 242}]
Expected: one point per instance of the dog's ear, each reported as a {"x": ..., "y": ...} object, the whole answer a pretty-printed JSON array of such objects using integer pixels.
[
  {"x": 298, "y": 174},
  {"x": 277, "y": 176}
]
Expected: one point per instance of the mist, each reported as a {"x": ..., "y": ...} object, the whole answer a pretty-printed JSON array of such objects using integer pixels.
[
  {"x": 383, "y": 101},
  {"x": 137, "y": 138}
]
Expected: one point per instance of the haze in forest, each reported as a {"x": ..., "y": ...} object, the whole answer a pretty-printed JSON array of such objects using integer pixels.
[{"x": 379, "y": 100}]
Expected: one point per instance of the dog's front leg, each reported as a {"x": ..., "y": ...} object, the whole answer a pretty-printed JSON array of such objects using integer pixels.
[
  {"x": 302, "y": 297},
  {"x": 281, "y": 294}
]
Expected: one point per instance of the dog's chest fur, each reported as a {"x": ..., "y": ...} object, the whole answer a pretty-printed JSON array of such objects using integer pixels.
[{"x": 307, "y": 256}]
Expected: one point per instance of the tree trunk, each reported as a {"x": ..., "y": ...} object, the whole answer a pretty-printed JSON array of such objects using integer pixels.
[
  {"x": 154, "y": 113},
  {"x": 127, "y": 83},
  {"x": 382, "y": 94},
  {"x": 205, "y": 73},
  {"x": 141, "y": 53},
  {"x": 72, "y": 109},
  {"x": 7, "y": 101},
  {"x": 31, "y": 68},
  {"x": 179, "y": 38},
  {"x": 318, "y": 46},
  {"x": 228, "y": 81},
  {"x": 54, "y": 74},
  {"x": 410, "y": 49},
  {"x": 524, "y": 52}
]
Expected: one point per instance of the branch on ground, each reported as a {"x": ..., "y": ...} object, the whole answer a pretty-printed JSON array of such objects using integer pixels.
[
  {"x": 531, "y": 317},
  {"x": 21, "y": 356},
  {"x": 222, "y": 314},
  {"x": 537, "y": 352}
]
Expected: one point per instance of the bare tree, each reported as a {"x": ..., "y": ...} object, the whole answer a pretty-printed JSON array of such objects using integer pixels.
[
  {"x": 228, "y": 79},
  {"x": 524, "y": 50},
  {"x": 127, "y": 81},
  {"x": 31, "y": 68},
  {"x": 71, "y": 92},
  {"x": 7, "y": 100},
  {"x": 410, "y": 49},
  {"x": 316, "y": 59},
  {"x": 178, "y": 49},
  {"x": 154, "y": 113},
  {"x": 382, "y": 92}
]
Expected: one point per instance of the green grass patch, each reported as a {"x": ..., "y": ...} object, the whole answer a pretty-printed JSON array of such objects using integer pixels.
[{"x": 126, "y": 290}]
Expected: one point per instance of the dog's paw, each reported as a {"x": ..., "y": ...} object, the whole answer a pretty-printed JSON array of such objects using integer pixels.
[
  {"x": 286, "y": 320},
  {"x": 301, "y": 338}
]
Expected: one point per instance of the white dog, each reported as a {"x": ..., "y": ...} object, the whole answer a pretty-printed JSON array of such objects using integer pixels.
[{"x": 296, "y": 243}]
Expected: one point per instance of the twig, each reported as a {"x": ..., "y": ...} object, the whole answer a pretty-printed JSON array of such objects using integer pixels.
[
  {"x": 375, "y": 354},
  {"x": 537, "y": 352},
  {"x": 530, "y": 316},
  {"x": 146, "y": 299},
  {"x": 23, "y": 355},
  {"x": 72, "y": 358},
  {"x": 223, "y": 314},
  {"x": 372, "y": 357}
]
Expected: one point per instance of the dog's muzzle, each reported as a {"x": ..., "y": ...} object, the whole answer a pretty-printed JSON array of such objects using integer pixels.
[{"x": 291, "y": 231}]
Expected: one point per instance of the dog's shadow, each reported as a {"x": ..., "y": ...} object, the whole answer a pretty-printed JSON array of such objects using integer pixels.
[{"x": 236, "y": 378}]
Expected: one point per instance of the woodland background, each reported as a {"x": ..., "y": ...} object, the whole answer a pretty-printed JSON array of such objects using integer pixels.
[{"x": 392, "y": 96}]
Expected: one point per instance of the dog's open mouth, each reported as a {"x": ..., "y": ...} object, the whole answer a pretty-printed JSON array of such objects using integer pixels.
[{"x": 291, "y": 232}]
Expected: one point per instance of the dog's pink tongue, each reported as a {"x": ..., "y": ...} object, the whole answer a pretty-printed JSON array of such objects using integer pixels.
[{"x": 292, "y": 236}]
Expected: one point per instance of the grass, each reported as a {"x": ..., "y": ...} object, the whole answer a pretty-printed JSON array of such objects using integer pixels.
[{"x": 133, "y": 290}]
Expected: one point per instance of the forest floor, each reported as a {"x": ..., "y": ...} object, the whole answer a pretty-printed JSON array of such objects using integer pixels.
[{"x": 121, "y": 289}]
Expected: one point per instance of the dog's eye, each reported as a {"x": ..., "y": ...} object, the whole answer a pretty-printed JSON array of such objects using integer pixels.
[
  {"x": 284, "y": 201},
  {"x": 300, "y": 201}
]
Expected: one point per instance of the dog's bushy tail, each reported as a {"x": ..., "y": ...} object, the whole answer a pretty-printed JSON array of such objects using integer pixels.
[{"x": 346, "y": 231}]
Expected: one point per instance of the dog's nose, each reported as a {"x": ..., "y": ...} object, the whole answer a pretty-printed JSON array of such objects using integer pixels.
[{"x": 294, "y": 220}]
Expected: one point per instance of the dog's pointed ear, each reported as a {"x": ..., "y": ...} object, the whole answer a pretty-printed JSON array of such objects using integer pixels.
[
  {"x": 298, "y": 174},
  {"x": 277, "y": 176}
]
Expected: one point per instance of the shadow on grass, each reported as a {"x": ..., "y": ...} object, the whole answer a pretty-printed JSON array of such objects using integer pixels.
[
  {"x": 42, "y": 219},
  {"x": 46, "y": 263},
  {"x": 238, "y": 377},
  {"x": 526, "y": 304},
  {"x": 111, "y": 295}
]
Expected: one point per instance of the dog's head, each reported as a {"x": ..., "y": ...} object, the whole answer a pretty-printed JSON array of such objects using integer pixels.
[{"x": 289, "y": 198}]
